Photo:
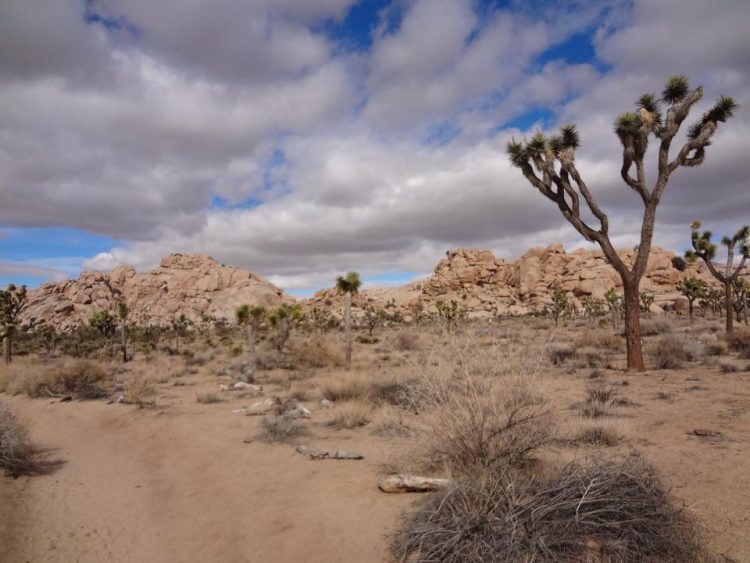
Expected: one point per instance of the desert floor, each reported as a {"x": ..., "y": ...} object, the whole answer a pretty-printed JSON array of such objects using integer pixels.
[{"x": 185, "y": 481}]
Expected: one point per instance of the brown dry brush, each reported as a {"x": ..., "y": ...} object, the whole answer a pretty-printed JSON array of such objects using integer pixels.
[
  {"x": 15, "y": 451},
  {"x": 604, "y": 511}
]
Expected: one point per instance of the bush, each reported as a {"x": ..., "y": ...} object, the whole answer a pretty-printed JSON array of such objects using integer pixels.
[
  {"x": 82, "y": 379},
  {"x": 138, "y": 390},
  {"x": 671, "y": 352},
  {"x": 281, "y": 428},
  {"x": 591, "y": 511},
  {"x": 599, "y": 401},
  {"x": 740, "y": 342},
  {"x": 558, "y": 353},
  {"x": 596, "y": 436},
  {"x": 716, "y": 348},
  {"x": 315, "y": 352},
  {"x": 346, "y": 388},
  {"x": 15, "y": 452},
  {"x": 405, "y": 341},
  {"x": 601, "y": 339},
  {"x": 652, "y": 327},
  {"x": 208, "y": 398},
  {"x": 350, "y": 417}
]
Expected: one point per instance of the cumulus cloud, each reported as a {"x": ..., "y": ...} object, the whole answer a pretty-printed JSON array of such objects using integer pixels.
[{"x": 132, "y": 119}]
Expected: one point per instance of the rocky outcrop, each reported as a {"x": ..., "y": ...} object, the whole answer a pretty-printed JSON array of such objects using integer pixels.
[
  {"x": 194, "y": 285},
  {"x": 486, "y": 284}
]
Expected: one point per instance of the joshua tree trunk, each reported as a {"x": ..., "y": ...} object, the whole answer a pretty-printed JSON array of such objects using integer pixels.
[
  {"x": 7, "y": 349},
  {"x": 729, "y": 306},
  {"x": 348, "y": 327},
  {"x": 124, "y": 342},
  {"x": 633, "y": 326},
  {"x": 690, "y": 310}
]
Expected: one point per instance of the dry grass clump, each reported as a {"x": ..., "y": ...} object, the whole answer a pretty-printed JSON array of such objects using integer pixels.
[
  {"x": 348, "y": 387},
  {"x": 349, "y": 417},
  {"x": 596, "y": 435},
  {"x": 405, "y": 341},
  {"x": 390, "y": 424},
  {"x": 602, "y": 340},
  {"x": 482, "y": 408},
  {"x": 315, "y": 352},
  {"x": 15, "y": 451},
  {"x": 277, "y": 428},
  {"x": 600, "y": 400},
  {"x": 83, "y": 379},
  {"x": 740, "y": 342},
  {"x": 671, "y": 352},
  {"x": 716, "y": 348},
  {"x": 605, "y": 511},
  {"x": 727, "y": 367},
  {"x": 394, "y": 391},
  {"x": 653, "y": 327},
  {"x": 558, "y": 353},
  {"x": 138, "y": 390},
  {"x": 208, "y": 398}
]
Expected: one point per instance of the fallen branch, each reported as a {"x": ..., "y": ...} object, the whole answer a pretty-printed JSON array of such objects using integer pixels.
[
  {"x": 411, "y": 484},
  {"x": 317, "y": 453}
]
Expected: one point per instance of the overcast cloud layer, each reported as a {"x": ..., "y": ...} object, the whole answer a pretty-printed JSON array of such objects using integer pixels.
[{"x": 251, "y": 132}]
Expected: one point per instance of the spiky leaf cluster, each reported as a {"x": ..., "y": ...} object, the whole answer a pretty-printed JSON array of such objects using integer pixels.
[
  {"x": 701, "y": 242},
  {"x": 540, "y": 146},
  {"x": 12, "y": 302},
  {"x": 693, "y": 288},
  {"x": 349, "y": 283},
  {"x": 676, "y": 89},
  {"x": 722, "y": 110}
]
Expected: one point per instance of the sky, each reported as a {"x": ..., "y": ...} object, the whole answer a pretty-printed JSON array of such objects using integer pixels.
[{"x": 301, "y": 140}]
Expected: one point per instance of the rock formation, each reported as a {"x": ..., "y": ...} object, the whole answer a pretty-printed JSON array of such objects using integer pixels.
[{"x": 194, "y": 285}]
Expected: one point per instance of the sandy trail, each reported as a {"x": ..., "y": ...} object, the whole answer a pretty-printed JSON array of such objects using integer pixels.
[{"x": 181, "y": 486}]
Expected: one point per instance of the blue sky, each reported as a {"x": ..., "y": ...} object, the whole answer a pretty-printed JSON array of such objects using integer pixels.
[{"x": 301, "y": 140}]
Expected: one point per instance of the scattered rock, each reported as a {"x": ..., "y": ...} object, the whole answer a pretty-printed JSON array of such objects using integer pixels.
[
  {"x": 326, "y": 404},
  {"x": 317, "y": 453},
  {"x": 411, "y": 484}
]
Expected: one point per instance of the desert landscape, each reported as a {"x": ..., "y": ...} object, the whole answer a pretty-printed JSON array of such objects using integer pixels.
[
  {"x": 406, "y": 281},
  {"x": 190, "y": 450}
]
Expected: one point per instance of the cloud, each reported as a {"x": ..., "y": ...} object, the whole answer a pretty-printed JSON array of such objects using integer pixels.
[{"x": 134, "y": 123}]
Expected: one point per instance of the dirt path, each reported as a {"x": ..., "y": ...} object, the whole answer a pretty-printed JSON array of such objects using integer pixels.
[{"x": 181, "y": 486}]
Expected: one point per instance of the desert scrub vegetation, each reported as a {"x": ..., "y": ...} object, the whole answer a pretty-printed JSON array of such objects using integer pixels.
[
  {"x": 653, "y": 327},
  {"x": 282, "y": 428},
  {"x": 15, "y": 451},
  {"x": 596, "y": 435},
  {"x": 208, "y": 398},
  {"x": 599, "y": 402},
  {"x": 349, "y": 417},
  {"x": 139, "y": 390},
  {"x": 315, "y": 352},
  {"x": 594, "y": 510},
  {"x": 739, "y": 341},
  {"x": 82, "y": 379},
  {"x": 672, "y": 351}
]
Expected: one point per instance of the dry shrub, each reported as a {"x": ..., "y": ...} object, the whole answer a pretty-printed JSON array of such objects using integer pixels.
[
  {"x": 83, "y": 379},
  {"x": 671, "y": 352},
  {"x": 591, "y": 358},
  {"x": 716, "y": 348},
  {"x": 482, "y": 408},
  {"x": 348, "y": 387},
  {"x": 281, "y": 428},
  {"x": 596, "y": 435},
  {"x": 605, "y": 511},
  {"x": 727, "y": 367},
  {"x": 208, "y": 398},
  {"x": 352, "y": 416},
  {"x": 397, "y": 392},
  {"x": 558, "y": 353},
  {"x": 740, "y": 342},
  {"x": 390, "y": 424},
  {"x": 600, "y": 399},
  {"x": 315, "y": 352},
  {"x": 138, "y": 391},
  {"x": 405, "y": 341},
  {"x": 601, "y": 339},
  {"x": 15, "y": 451},
  {"x": 652, "y": 327}
]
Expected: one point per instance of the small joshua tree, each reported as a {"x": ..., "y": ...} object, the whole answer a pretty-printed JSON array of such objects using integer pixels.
[
  {"x": 250, "y": 317},
  {"x": 12, "y": 304},
  {"x": 349, "y": 286},
  {"x": 122, "y": 313},
  {"x": 284, "y": 317},
  {"x": 449, "y": 312},
  {"x": 614, "y": 302},
  {"x": 740, "y": 291},
  {"x": 559, "y": 304},
  {"x": 713, "y": 301},
  {"x": 647, "y": 299},
  {"x": 47, "y": 336},
  {"x": 704, "y": 249},
  {"x": 692, "y": 288},
  {"x": 549, "y": 165},
  {"x": 374, "y": 318}
]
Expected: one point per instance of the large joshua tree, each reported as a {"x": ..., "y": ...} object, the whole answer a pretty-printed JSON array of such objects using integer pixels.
[
  {"x": 12, "y": 304},
  {"x": 349, "y": 286},
  {"x": 549, "y": 165},
  {"x": 704, "y": 249}
]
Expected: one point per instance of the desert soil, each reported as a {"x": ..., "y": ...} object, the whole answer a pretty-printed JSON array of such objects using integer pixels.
[{"x": 179, "y": 483}]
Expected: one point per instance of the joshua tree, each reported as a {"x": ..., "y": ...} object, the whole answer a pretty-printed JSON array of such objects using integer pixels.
[
  {"x": 122, "y": 312},
  {"x": 251, "y": 317},
  {"x": 704, "y": 249},
  {"x": 12, "y": 304},
  {"x": 283, "y": 317},
  {"x": 692, "y": 288},
  {"x": 559, "y": 305},
  {"x": 647, "y": 299},
  {"x": 179, "y": 327},
  {"x": 614, "y": 301},
  {"x": 549, "y": 165},
  {"x": 741, "y": 291},
  {"x": 349, "y": 286},
  {"x": 47, "y": 336},
  {"x": 450, "y": 312},
  {"x": 374, "y": 318}
]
